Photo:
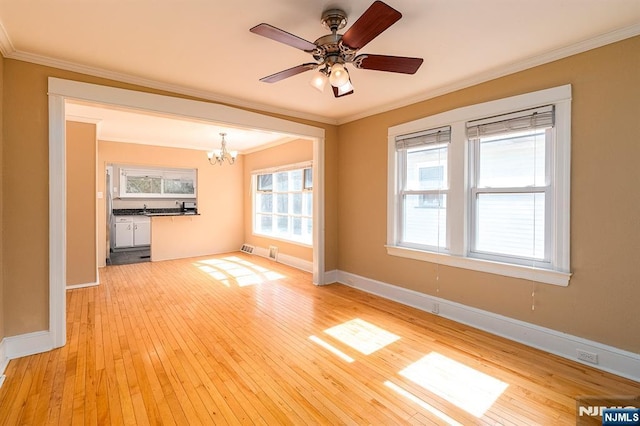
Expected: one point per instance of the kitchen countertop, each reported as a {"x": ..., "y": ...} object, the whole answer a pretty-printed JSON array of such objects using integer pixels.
[{"x": 153, "y": 212}]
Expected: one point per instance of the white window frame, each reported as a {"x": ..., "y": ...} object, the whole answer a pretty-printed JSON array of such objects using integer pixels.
[
  {"x": 403, "y": 190},
  {"x": 162, "y": 174},
  {"x": 305, "y": 189},
  {"x": 458, "y": 200}
]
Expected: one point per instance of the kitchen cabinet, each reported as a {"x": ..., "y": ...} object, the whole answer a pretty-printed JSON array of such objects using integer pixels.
[
  {"x": 142, "y": 232},
  {"x": 123, "y": 233},
  {"x": 132, "y": 231}
]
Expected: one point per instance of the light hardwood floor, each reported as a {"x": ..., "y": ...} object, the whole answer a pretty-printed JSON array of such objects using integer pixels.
[{"x": 234, "y": 339}]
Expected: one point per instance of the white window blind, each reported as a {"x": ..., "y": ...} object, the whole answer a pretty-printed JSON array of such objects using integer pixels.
[
  {"x": 427, "y": 137},
  {"x": 530, "y": 119}
]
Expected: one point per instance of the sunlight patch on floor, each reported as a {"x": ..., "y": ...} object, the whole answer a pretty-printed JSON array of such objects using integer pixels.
[
  {"x": 463, "y": 386},
  {"x": 423, "y": 404},
  {"x": 229, "y": 270},
  {"x": 331, "y": 348},
  {"x": 362, "y": 336}
]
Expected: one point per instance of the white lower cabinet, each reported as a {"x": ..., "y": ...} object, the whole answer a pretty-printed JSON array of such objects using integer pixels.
[
  {"x": 142, "y": 232},
  {"x": 123, "y": 234},
  {"x": 132, "y": 231}
]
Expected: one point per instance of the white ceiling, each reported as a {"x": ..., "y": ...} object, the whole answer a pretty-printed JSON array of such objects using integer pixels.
[
  {"x": 121, "y": 125},
  {"x": 204, "y": 47}
]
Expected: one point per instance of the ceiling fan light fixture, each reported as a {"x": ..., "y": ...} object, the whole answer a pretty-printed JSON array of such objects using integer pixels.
[
  {"x": 345, "y": 88},
  {"x": 319, "y": 81},
  {"x": 339, "y": 75}
]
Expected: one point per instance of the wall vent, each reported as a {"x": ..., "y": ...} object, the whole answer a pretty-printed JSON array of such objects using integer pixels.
[
  {"x": 246, "y": 248},
  {"x": 273, "y": 252}
]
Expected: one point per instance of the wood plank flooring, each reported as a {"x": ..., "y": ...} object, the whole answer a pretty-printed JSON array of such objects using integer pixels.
[{"x": 237, "y": 339}]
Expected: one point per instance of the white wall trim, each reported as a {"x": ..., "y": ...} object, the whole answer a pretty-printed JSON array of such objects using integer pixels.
[
  {"x": 285, "y": 259},
  {"x": 59, "y": 90},
  {"x": 9, "y": 51},
  {"x": 610, "y": 359},
  {"x": 57, "y": 221},
  {"x": 331, "y": 277},
  {"x": 179, "y": 107},
  {"x": 295, "y": 262},
  {"x": 553, "y": 55},
  {"x": 76, "y": 286},
  {"x": 539, "y": 275},
  {"x": 28, "y": 344},
  {"x": 4, "y": 360}
]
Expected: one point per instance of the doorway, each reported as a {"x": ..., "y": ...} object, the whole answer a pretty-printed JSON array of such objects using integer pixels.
[{"x": 60, "y": 90}]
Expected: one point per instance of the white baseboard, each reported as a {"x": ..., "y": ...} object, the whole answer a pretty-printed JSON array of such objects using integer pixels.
[
  {"x": 4, "y": 360},
  {"x": 610, "y": 359},
  {"x": 75, "y": 286},
  {"x": 285, "y": 259},
  {"x": 331, "y": 277},
  {"x": 28, "y": 344},
  {"x": 23, "y": 345},
  {"x": 295, "y": 262}
]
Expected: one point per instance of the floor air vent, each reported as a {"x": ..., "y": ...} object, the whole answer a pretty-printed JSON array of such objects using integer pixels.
[
  {"x": 273, "y": 252},
  {"x": 246, "y": 248}
]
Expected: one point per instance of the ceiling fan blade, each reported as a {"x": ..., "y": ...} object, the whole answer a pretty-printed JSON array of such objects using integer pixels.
[
  {"x": 373, "y": 21},
  {"x": 288, "y": 73},
  {"x": 399, "y": 64},
  {"x": 269, "y": 31}
]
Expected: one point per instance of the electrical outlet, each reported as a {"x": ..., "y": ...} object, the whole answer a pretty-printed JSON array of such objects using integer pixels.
[
  {"x": 435, "y": 309},
  {"x": 587, "y": 356}
]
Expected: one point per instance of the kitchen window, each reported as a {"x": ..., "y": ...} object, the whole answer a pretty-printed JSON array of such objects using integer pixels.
[
  {"x": 157, "y": 183},
  {"x": 283, "y": 203},
  {"x": 485, "y": 187}
]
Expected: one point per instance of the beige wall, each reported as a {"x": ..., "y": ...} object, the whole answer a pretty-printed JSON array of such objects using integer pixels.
[
  {"x": 219, "y": 227},
  {"x": 25, "y": 169},
  {"x": 81, "y": 203},
  {"x": 25, "y": 199},
  {"x": 288, "y": 153},
  {"x": 601, "y": 302}
]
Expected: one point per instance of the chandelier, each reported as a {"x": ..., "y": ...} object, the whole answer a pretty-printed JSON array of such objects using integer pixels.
[{"x": 218, "y": 156}]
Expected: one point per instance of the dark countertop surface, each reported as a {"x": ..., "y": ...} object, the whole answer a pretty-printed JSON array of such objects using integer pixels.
[{"x": 154, "y": 212}]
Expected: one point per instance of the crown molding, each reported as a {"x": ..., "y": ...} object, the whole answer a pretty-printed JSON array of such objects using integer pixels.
[
  {"x": 6, "y": 47},
  {"x": 550, "y": 56},
  {"x": 11, "y": 53},
  {"x": 8, "y": 51}
]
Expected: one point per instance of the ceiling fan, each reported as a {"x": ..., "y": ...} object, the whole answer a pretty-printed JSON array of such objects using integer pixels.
[{"x": 333, "y": 51}]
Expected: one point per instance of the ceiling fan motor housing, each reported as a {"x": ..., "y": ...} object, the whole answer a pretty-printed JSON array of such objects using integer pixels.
[{"x": 334, "y": 19}]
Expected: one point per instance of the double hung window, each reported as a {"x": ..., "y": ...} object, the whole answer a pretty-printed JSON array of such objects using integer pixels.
[
  {"x": 485, "y": 187},
  {"x": 511, "y": 186},
  {"x": 424, "y": 184},
  {"x": 283, "y": 204}
]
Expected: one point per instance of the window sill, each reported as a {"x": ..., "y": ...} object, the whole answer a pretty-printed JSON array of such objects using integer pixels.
[
  {"x": 146, "y": 196},
  {"x": 285, "y": 240},
  {"x": 540, "y": 275}
]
